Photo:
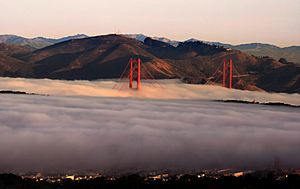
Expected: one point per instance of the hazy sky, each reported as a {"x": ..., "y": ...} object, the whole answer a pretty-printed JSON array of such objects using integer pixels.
[{"x": 232, "y": 21}]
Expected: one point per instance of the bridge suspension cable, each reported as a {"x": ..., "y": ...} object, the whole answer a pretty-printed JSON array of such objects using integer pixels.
[{"x": 135, "y": 71}]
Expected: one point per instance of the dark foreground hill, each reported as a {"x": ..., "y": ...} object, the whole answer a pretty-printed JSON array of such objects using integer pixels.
[
  {"x": 249, "y": 181},
  {"x": 104, "y": 57}
]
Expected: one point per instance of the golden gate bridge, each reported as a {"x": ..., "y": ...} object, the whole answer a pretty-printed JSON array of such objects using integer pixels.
[{"x": 134, "y": 71}]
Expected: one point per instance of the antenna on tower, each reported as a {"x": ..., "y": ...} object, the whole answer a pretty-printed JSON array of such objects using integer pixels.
[{"x": 117, "y": 31}]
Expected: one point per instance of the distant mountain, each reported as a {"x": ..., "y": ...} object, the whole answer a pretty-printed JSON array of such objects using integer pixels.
[
  {"x": 291, "y": 54},
  {"x": 38, "y": 42},
  {"x": 17, "y": 40},
  {"x": 138, "y": 37},
  {"x": 104, "y": 57},
  {"x": 78, "y": 36},
  {"x": 166, "y": 40}
]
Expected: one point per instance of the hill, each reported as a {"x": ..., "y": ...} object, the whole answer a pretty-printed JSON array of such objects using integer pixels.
[
  {"x": 10, "y": 64},
  {"x": 291, "y": 54},
  {"x": 92, "y": 58},
  {"x": 38, "y": 42},
  {"x": 104, "y": 57}
]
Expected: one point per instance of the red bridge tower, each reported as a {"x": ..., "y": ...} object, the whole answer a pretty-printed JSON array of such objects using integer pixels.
[
  {"x": 225, "y": 73},
  {"x": 135, "y": 72}
]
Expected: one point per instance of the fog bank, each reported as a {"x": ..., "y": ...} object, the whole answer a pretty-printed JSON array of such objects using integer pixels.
[
  {"x": 43, "y": 133},
  {"x": 161, "y": 89}
]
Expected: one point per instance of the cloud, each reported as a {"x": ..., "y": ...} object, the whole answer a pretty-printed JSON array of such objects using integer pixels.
[{"x": 59, "y": 133}]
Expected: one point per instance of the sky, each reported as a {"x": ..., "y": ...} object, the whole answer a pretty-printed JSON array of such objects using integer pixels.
[{"x": 230, "y": 21}]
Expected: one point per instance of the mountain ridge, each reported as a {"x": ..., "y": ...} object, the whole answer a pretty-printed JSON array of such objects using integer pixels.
[
  {"x": 37, "y": 42},
  {"x": 291, "y": 53},
  {"x": 106, "y": 56}
]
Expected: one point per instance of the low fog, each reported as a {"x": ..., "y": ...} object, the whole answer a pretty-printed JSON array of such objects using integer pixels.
[
  {"x": 161, "y": 89},
  {"x": 58, "y": 133}
]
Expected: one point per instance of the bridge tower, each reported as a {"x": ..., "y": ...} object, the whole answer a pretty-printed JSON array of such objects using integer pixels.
[
  {"x": 135, "y": 73},
  {"x": 224, "y": 73},
  {"x": 225, "y": 69}
]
